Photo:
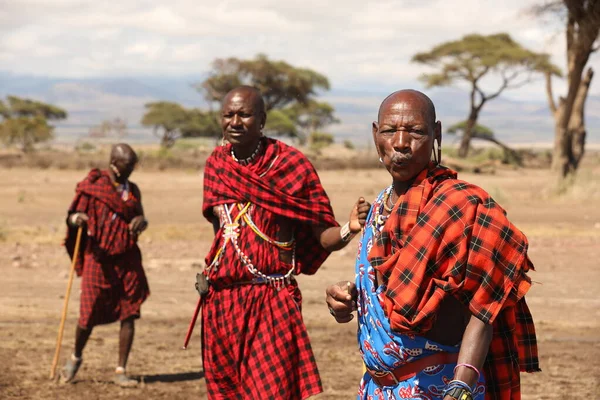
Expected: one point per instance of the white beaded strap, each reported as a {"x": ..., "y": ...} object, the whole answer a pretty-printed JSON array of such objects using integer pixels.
[{"x": 276, "y": 281}]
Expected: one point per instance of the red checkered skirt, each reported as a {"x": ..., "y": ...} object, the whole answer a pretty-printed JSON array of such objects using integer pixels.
[
  {"x": 112, "y": 289},
  {"x": 255, "y": 344}
]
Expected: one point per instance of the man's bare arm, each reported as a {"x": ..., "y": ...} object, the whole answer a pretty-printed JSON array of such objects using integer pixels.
[
  {"x": 335, "y": 238},
  {"x": 473, "y": 350},
  {"x": 139, "y": 223}
]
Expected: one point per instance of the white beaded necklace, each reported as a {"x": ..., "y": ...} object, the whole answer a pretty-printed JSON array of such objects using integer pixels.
[{"x": 379, "y": 219}]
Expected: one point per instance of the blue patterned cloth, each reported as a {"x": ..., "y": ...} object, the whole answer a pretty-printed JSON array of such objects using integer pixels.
[{"x": 384, "y": 350}]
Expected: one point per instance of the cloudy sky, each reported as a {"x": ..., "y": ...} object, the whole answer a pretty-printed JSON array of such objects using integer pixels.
[{"x": 358, "y": 44}]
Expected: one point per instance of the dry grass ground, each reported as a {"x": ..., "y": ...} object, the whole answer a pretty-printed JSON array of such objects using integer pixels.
[{"x": 565, "y": 247}]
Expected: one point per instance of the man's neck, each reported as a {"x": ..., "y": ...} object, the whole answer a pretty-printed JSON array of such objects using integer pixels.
[
  {"x": 401, "y": 188},
  {"x": 247, "y": 154},
  {"x": 113, "y": 178}
]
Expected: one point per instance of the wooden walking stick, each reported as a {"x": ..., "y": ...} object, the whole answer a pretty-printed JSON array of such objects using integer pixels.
[{"x": 66, "y": 305}]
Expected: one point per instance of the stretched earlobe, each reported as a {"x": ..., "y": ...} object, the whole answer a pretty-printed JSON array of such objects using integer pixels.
[{"x": 115, "y": 170}]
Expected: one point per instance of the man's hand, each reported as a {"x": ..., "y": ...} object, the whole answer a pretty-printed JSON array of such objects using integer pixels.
[
  {"x": 358, "y": 215},
  {"x": 138, "y": 224},
  {"x": 341, "y": 300},
  {"x": 78, "y": 219}
]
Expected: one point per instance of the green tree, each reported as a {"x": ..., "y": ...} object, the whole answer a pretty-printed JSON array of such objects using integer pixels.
[
  {"x": 482, "y": 132},
  {"x": 289, "y": 93},
  {"x": 166, "y": 119},
  {"x": 171, "y": 121},
  {"x": 280, "y": 83},
  {"x": 25, "y": 122},
  {"x": 281, "y": 123},
  {"x": 200, "y": 123},
  {"x": 582, "y": 28},
  {"x": 311, "y": 117},
  {"x": 475, "y": 57},
  {"x": 320, "y": 140}
]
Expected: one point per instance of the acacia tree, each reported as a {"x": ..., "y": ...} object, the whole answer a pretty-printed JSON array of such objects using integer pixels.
[
  {"x": 289, "y": 93},
  {"x": 311, "y": 118},
  {"x": 582, "y": 27},
  {"x": 25, "y": 122},
  {"x": 475, "y": 57},
  {"x": 482, "y": 132},
  {"x": 281, "y": 123},
  {"x": 200, "y": 123},
  {"x": 166, "y": 119},
  {"x": 280, "y": 83},
  {"x": 110, "y": 127},
  {"x": 171, "y": 121}
]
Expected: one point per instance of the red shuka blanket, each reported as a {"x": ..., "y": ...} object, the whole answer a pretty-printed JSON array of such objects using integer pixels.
[{"x": 446, "y": 237}]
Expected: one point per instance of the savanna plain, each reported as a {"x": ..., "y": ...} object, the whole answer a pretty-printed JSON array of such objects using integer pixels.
[{"x": 564, "y": 235}]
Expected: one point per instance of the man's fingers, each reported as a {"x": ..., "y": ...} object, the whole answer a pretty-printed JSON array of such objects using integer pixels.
[
  {"x": 344, "y": 319},
  {"x": 338, "y": 293}
]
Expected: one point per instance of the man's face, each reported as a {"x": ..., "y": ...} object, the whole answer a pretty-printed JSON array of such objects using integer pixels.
[
  {"x": 404, "y": 136},
  {"x": 241, "y": 121},
  {"x": 125, "y": 164}
]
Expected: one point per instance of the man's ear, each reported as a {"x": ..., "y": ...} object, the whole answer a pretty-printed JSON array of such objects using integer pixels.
[
  {"x": 263, "y": 119},
  {"x": 375, "y": 130}
]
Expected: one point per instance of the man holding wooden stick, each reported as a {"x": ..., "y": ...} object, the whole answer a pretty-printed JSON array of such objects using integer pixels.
[{"x": 109, "y": 208}]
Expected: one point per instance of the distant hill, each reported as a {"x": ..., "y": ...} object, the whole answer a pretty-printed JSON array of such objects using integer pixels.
[{"x": 89, "y": 101}]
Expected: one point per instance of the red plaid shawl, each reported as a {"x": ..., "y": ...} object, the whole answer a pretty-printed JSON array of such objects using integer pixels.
[
  {"x": 109, "y": 217},
  {"x": 448, "y": 237},
  {"x": 283, "y": 182}
]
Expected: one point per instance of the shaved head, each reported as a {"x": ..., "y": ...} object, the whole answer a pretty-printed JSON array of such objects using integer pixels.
[
  {"x": 249, "y": 92},
  {"x": 122, "y": 160},
  {"x": 122, "y": 151},
  {"x": 418, "y": 99}
]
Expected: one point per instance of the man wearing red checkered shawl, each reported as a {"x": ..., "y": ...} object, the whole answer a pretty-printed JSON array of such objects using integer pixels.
[
  {"x": 443, "y": 246},
  {"x": 109, "y": 210},
  {"x": 272, "y": 220}
]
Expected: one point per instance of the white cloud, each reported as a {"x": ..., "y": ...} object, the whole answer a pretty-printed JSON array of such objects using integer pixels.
[{"x": 353, "y": 42}]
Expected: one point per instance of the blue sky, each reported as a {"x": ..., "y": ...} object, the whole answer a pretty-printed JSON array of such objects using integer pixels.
[
  {"x": 363, "y": 47},
  {"x": 357, "y": 44}
]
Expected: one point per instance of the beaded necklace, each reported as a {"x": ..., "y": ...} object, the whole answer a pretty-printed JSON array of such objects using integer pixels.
[
  {"x": 252, "y": 157},
  {"x": 282, "y": 245},
  {"x": 386, "y": 199},
  {"x": 379, "y": 219}
]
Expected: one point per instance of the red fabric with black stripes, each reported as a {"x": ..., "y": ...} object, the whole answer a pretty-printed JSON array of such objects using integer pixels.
[
  {"x": 283, "y": 182},
  {"x": 446, "y": 237},
  {"x": 114, "y": 284},
  {"x": 254, "y": 342}
]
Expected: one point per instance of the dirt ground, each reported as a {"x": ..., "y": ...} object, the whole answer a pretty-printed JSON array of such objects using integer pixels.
[{"x": 564, "y": 235}]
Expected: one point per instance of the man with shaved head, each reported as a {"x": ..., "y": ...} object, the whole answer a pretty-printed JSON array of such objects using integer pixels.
[
  {"x": 441, "y": 275},
  {"x": 272, "y": 220},
  {"x": 109, "y": 209}
]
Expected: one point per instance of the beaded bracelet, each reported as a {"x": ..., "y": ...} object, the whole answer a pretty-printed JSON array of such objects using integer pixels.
[
  {"x": 456, "y": 384},
  {"x": 345, "y": 233},
  {"x": 467, "y": 366}
]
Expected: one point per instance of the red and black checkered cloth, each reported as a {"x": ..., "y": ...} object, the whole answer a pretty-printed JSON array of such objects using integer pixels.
[
  {"x": 114, "y": 284},
  {"x": 282, "y": 182},
  {"x": 446, "y": 237},
  {"x": 254, "y": 342}
]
